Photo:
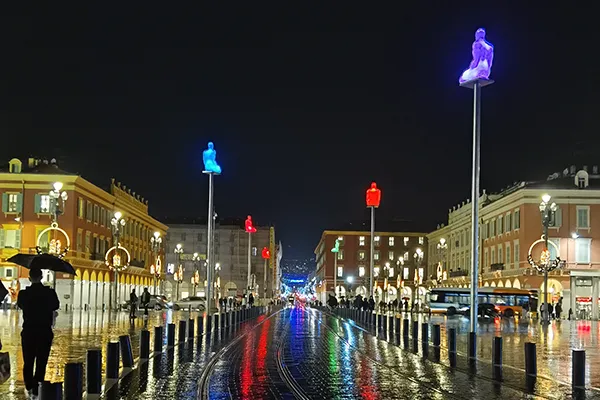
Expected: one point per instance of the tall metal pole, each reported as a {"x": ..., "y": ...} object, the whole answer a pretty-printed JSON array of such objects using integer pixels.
[
  {"x": 209, "y": 244},
  {"x": 475, "y": 208},
  {"x": 265, "y": 278},
  {"x": 372, "y": 253},
  {"x": 249, "y": 268},
  {"x": 335, "y": 291},
  {"x": 545, "y": 314}
]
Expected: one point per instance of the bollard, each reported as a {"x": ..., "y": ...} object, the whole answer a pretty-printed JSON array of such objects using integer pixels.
[
  {"x": 73, "y": 381},
  {"x": 373, "y": 319},
  {"x": 472, "y": 345},
  {"x": 145, "y": 344},
  {"x": 397, "y": 326},
  {"x": 530, "y": 360},
  {"x": 405, "y": 327},
  {"x": 452, "y": 340},
  {"x": 158, "y": 339},
  {"x": 497, "y": 352},
  {"x": 112, "y": 360},
  {"x": 390, "y": 324},
  {"x": 415, "y": 331},
  {"x": 51, "y": 391},
  {"x": 182, "y": 332},
  {"x": 126, "y": 352},
  {"x": 437, "y": 336},
  {"x": 170, "y": 335},
  {"x": 200, "y": 325},
  {"x": 222, "y": 320},
  {"x": 94, "y": 371},
  {"x": 191, "y": 328},
  {"x": 383, "y": 323},
  {"x": 578, "y": 368},
  {"x": 215, "y": 322},
  {"x": 425, "y": 332}
]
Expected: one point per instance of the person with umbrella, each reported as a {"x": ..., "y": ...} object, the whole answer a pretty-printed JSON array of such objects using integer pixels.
[{"x": 39, "y": 304}]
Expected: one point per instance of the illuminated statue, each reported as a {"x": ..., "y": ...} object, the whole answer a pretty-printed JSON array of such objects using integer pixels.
[
  {"x": 373, "y": 196},
  {"x": 336, "y": 248},
  {"x": 209, "y": 157},
  {"x": 483, "y": 55},
  {"x": 249, "y": 227}
]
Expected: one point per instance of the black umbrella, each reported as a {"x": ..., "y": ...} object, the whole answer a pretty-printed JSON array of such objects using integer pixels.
[
  {"x": 42, "y": 261},
  {"x": 3, "y": 291}
]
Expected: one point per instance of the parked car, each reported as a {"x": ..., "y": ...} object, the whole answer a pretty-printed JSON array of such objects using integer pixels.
[
  {"x": 196, "y": 302},
  {"x": 157, "y": 302},
  {"x": 484, "y": 310}
]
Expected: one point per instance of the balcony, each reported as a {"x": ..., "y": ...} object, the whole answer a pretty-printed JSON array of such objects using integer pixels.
[
  {"x": 137, "y": 263},
  {"x": 97, "y": 256},
  {"x": 497, "y": 267},
  {"x": 456, "y": 274}
]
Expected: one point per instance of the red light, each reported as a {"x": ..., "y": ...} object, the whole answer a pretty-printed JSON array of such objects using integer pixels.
[
  {"x": 266, "y": 253},
  {"x": 373, "y": 196},
  {"x": 249, "y": 226}
]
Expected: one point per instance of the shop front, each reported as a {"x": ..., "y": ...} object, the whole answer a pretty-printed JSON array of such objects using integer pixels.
[{"x": 585, "y": 293}]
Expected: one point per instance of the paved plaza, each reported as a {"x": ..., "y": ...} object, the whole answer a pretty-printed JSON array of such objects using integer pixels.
[{"x": 306, "y": 353}]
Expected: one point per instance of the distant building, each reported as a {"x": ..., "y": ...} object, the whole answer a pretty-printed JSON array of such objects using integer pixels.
[
  {"x": 400, "y": 262},
  {"x": 510, "y": 222},
  {"x": 25, "y": 216},
  {"x": 231, "y": 257}
]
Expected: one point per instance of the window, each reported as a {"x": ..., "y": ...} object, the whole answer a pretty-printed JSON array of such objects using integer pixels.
[
  {"x": 582, "y": 250},
  {"x": 421, "y": 273},
  {"x": 500, "y": 254},
  {"x": 340, "y": 271},
  {"x": 421, "y": 240},
  {"x": 507, "y": 259},
  {"x": 340, "y": 254},
  {"x": 493, "y": 255},
  {"x": 376, "y": 271},
  {"x": 12, "y": 202},
  {"x": 79, "y": 241},
  {"x": 9, "y": 272},
  {"x": 405, "y": 273},
  {"x": 486, "y": 258},
  {"x": 507, "y": 223},
  {"x": 102, "y": 216},
  {"x": 517, "y": 219},
  {"x": 391, "y": 272},
  {"x": 88, "y": 239},
  {"x": 376, "y": 255},
  {"x": 406, "y": 239},
  {"x": 583, "y": 216},
  {"x": 361, "y": 271},
  {"x": 391, "y": 241},
  {"x": 96, "y": 214},
  {"x": 254, "y": 251},
  {"x": 492, "y": 228},
  {"x": 12, "y": 238},
  {"x": 183, "y": 237},
  {"x": 554, "y": 252},
  {"x": 88, "y": 213},
  {"x": 500, "y": 226},
  {"x": 390, "y": 255},
  {"x": 80, "y": 207},
  {"x": 377, "y": 239},
  {"x": 556, "y": 222},
  {"x": 516, "y": 253},
  {"x": 406, "y": 256},
  {"x": 44, "y": 204},
  {"x": 486, "y": 230},
  {"x": 200, "y": 237},
  {"x": 361, "y": 255},
  {"x": 361, "y": 241}
]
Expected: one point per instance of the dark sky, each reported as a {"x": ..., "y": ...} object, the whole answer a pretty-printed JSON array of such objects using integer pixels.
[{"x": 306, "y": 102}]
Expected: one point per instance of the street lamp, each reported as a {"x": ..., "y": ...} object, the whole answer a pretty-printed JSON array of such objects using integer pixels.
[
  {"x": 196, "y": 261},
  {"x": 178, "y": 276},
  {"x": 545, "y": 264},
  {"x": 195, "y": 280},
  {"x": 373, "y": 200},
  {"x": 418, "y": 256},
  {"x": 335, "y": 251},
  {"x": 386, "y": 273},
  {"x": 350, "y": 280},
  {"x": 442, "y": 246},
  {"x": 250, "y": 229},
  {"x": 57, "y": 200},
  {"x": 266, "y": 255},
  {"x": 217, "y": 280},
  {"x": 112, "y": 258},
  {"x": 155, "y": 243}
]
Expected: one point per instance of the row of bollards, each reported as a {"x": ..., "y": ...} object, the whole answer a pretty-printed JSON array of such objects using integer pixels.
[
  {"x": 382, "y": 322},
  {"x": 120, "y": 352}
]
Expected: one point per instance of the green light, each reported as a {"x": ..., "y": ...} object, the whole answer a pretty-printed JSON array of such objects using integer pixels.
[{"x": 336, "y": 249}]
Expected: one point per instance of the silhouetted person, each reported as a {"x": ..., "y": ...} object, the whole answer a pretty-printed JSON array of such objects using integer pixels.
[
  {"x": 145, "y": 300},
  {"x": 251, "y": 300},
  {"x": 371, "y": 303},
  {"x": 39, "y": 304},
  {"x": 132, "y": 304}
]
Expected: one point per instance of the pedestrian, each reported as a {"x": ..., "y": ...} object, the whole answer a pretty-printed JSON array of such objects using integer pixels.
[
  {"x": 133, "y": 299},
  {"x": 570, "y": 314},
  {"x": 145, "y": 300},
  {"x": 558, "y": 310},
  {"x": 251, "y": 300},
  {"x": 39, "y": 304}
]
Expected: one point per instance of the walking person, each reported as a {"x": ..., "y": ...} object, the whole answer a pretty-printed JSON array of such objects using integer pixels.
[
  {"x": 133, "y": 299},
  {"x": 251, "y": 300},
  {"x": 145, "y": 300},
  {"x": 39, "y": 304}
]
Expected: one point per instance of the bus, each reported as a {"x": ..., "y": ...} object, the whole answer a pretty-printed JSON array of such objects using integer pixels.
[{"x": 509, "y": 302}]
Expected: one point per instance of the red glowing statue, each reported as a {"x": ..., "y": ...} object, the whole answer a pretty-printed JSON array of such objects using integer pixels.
[
  {"x": 249, "y": 227},
  {"x": 266, "y": 253},
  {"x": 373, "y": 196}
]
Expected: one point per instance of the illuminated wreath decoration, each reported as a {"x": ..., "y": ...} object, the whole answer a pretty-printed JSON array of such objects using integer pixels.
[
  {"x": 114, "y": 263},
  {"x": 54, "y": 245},
  {"x": 544, "y": 264}
]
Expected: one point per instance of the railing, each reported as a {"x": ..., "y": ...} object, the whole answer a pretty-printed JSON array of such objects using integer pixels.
[
  {"x": 454, "y": 274},
  {"x": 137, "y": 263},
  {"x": 497, "y": 267}
]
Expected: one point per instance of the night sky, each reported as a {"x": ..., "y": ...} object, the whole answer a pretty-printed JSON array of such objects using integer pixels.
[{"x": 306, "y": 103}]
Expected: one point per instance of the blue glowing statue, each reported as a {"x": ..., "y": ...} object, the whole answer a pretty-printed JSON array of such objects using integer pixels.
[
  {"x": 483, "y": 55},
  {"x": 209, "y": 157}
]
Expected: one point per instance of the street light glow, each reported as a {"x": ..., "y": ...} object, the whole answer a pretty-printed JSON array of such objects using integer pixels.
[
  {"x": 350, "y": 279},
  {"x": 156, "y": 234},
  {"x": 118, "y": 215},
  {"x": 546, "y": 198},
  {"x": 575, "y": 235},
  {"x": 57, "y": 186}
]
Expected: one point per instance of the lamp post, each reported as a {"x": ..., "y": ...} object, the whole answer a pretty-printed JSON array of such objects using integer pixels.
[
  {"x": 386, "y": 273},
  {"x": 217, "y": 280},
  {"x": 56, "y": 208},
  {"x": 266, "y": 255},
  {"x": 179, "y": 274},
  {"x": 335, "y": 251},
  {"x": 155, "y": 243},
  {"x": 418, "y": 256},
  {"x": 250, "y": 229},
  {"x": 196, "y": 261},
  {"x": 548, "y": 213},
  {"x": 441, "y": 247},
  {"x": 350, "y": 280},
  {"x": 211, "y": 168},
  {"x": 373, "y": 200},
  {"x": 114, "y": 262},
  {"x": 195, "y": 280}
]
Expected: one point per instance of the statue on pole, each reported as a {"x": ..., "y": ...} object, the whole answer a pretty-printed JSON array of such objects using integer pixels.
[{"x": 483, "y": 56}]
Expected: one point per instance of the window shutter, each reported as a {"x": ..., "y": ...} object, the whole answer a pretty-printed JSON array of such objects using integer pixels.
[
  {"x": 18, "y": 239},
  {"x": 1, "y": 238},
  {"x": 19, "y": 202},
  {"x": 558, "y": 218},
  {"x": 38, "y": 203},
  {"x": 4, "y": 202}
]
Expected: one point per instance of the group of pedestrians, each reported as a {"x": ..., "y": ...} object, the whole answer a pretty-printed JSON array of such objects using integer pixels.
[{"x": 133, "y": 301}]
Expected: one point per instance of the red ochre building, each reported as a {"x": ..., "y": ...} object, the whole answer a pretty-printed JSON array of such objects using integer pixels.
[
  {"x": 400, "y": 262},
  {"x": 511, "y": 222},
  {"x": 86, "y": 220}
]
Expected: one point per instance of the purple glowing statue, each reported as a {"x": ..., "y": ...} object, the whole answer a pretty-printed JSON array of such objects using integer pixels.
[{"x": 483, "y": 55}]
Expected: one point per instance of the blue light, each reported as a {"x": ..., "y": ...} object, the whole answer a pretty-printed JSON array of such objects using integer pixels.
[{"x": 209, "y": 157}]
